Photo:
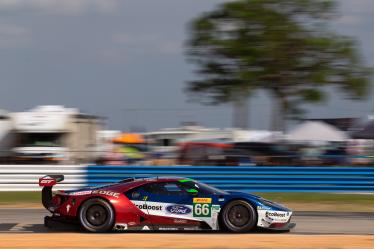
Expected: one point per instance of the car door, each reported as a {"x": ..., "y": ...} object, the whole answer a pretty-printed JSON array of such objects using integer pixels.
[
  {"x": 169, "y": 205},
  {"x": 206, "y": 202}
]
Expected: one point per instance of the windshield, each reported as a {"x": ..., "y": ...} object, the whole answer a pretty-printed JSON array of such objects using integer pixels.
[{"x": 204, "y": 188}]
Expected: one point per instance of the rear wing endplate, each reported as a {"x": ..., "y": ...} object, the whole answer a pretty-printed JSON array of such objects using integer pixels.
[{"x": 50, "y": 180}]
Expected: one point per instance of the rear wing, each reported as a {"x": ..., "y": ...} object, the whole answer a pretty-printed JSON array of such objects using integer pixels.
[
  {"x": 47, "y": 182},
  {"x": 50, "y": 180}
]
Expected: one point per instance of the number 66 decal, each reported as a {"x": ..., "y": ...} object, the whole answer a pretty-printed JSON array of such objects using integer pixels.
[{"x": 202, "y": 207}]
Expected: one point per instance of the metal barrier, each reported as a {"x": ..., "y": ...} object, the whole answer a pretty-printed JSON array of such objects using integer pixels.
[
  {"x": 250, "y": 179},
  {"x": 25, "y": 177}
]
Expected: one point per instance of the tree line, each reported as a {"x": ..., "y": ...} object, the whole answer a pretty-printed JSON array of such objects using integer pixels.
[{"x": 286, "y": 48}]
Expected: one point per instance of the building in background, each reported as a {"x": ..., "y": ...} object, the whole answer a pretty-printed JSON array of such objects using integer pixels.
[
  {"x": 55, "y": 134},
  {"x": 165, "y": 140},
  {"x": 7, "y": 136}
]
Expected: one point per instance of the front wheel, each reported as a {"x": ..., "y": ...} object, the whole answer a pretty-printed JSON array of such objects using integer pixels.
[
  {"x": 96, "y": 215},
  {"x": 239, "y": 216}
]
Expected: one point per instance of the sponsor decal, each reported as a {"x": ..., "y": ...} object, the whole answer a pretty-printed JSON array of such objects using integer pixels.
[
  {"x": 87, "y": 192},
  {"x": 178, "y": 209},
  {"x": 145, "y": 228},
  {"x": 202, "y": 207},
  {"x": 168, "y": 228},
  {"x": 263, "y": 208},
  {"x": 149, "y": 207},
  {"x": 47, "y": 182},
  {"x": 68, "y": 208},
  {"x": 202, "y": 200},
  {"x": 180, "y": 221},
  {"x": 191, "y": 228},
  {"x": 221, "y": 199},
  {"x": 132, "y": 223},
  {"x": 105, "y": 192},
  {"x": 275, "y": 214},
  {"x": 216, "y": 207}
]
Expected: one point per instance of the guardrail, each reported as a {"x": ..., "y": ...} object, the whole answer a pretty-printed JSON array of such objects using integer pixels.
[
  {"x": 25, "y": 177},
  {"x": 249, "y": 179}
]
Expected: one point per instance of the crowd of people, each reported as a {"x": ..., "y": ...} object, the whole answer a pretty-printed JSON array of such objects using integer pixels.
[{"x": 352, "y": 152}]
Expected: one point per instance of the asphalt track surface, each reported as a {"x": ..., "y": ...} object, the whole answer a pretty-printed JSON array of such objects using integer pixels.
[{"x": 20, "y": 220}]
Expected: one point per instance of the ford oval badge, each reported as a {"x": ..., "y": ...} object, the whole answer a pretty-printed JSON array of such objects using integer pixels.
[{"x": 178, "y": 209}]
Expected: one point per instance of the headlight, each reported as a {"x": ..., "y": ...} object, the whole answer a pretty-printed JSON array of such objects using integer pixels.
[{"x": 272, "y": 204}]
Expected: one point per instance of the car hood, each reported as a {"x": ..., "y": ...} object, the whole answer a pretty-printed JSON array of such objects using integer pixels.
[{"x": 259, "y": 201}]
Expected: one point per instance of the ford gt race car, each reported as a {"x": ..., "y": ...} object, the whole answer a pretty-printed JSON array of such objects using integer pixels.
[{"x": 161, "y": 204}]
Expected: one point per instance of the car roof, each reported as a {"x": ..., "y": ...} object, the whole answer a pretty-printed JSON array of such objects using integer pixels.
[{"x": 130, "y": 184}]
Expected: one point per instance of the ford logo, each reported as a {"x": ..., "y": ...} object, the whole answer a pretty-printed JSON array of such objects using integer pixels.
[{"x": 178, "y": 209}]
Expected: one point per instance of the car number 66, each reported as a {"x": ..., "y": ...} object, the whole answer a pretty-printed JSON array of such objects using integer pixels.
[{"x": 202, "y": 209}]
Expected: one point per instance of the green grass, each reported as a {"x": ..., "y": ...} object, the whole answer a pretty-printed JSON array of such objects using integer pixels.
[
  {"x": 20, "y": 197},
  {"x": 296, "y": 201}
]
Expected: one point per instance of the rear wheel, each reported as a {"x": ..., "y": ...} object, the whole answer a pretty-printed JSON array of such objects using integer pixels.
[
  {"x": 96, "y": 215},
  {"x": 239, "y": 216}
]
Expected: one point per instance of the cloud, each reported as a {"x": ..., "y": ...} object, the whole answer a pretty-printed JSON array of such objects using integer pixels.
[
  {"x": 61, "y": 6},
  {"x": 13, "y": 35}
]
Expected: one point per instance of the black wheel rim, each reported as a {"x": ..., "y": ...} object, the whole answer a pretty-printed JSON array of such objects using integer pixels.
[
  {"x": 96, "y": 215},
  {"x": 239, "y": 215}
]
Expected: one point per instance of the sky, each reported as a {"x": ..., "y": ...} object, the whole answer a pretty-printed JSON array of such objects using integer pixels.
[{"x": 125, "y": 60}]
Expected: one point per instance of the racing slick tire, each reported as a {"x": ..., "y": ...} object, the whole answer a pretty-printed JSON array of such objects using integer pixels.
[
  {"x": 239, "y": 216},
  {"x": 96, "y": 215}
]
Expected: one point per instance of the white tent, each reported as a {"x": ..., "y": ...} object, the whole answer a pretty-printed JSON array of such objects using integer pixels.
[
  {"x": 256, "y": 136},
  {"x": 315, "y": 131}
]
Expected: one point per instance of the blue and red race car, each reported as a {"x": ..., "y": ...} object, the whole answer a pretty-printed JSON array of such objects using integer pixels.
[{"x": 161, "y": 204}]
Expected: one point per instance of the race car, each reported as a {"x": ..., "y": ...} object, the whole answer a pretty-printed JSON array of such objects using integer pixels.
[{"x": 161, "y": 203}]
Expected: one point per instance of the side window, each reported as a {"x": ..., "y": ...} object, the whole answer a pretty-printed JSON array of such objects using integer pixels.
[
  {"x": 151, "y": 188},
  {"x": 199, "y": 187},
  {"x": 165, "y": 188},
  {"x": 155, "y": 188},
  {"x": 173, "y": 189},
  {"x": 162, "y": 188},
  {"x": 135, "y": 194}
]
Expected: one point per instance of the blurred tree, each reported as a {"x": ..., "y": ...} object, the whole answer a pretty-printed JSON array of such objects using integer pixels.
[{"x": 283, "y": 47}]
